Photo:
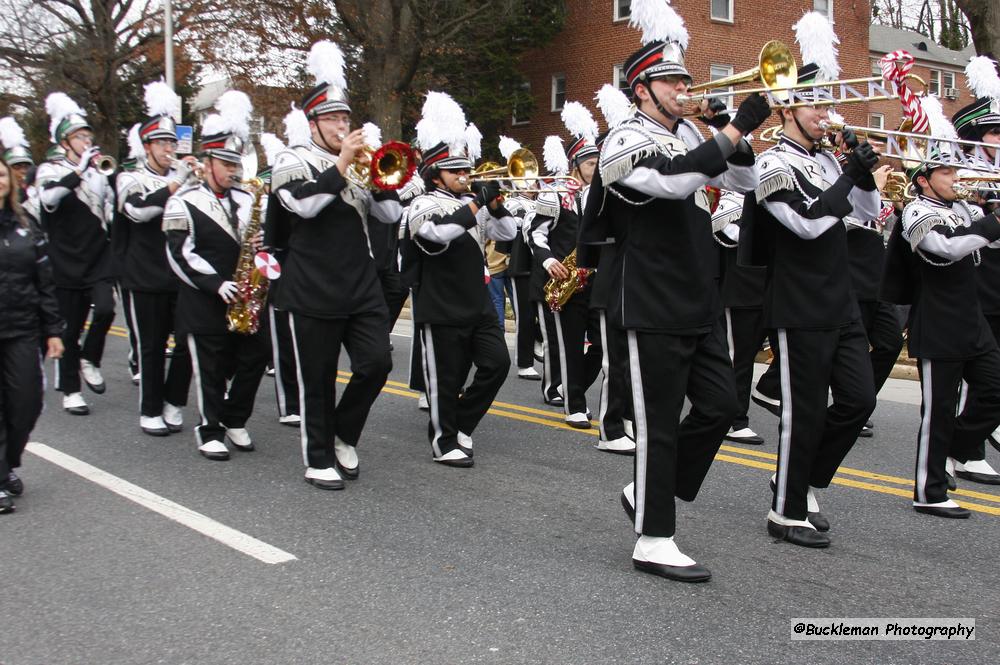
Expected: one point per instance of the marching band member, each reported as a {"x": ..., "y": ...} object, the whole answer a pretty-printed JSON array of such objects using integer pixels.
[
  {"x": 146, "y": 276},
  {"x": 204, "y": 225},
  {"x": 329, "y": 280},
  {"x": 120, "y": 228},
  {"x": 77, "y": 203},
  {"x": 802, "y": 201},
  {"x": 949, "y": 336},
  {"x": 17, "y": 154},
  {"x": 665, "y": 295},
  {"x": 554, "y": 232},
  {"x": 447, "y": 230},
  {"x": 408, "y": 279}
]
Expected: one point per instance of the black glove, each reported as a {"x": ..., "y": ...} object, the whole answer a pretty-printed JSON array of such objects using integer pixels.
[
  {"x": 850, "y": 139},
  {"x": 486, "y": 192},
  {"x": 860, "y": 163},
  {"x": 719, "y": 120},
  {"x": 752, "y": 113}
]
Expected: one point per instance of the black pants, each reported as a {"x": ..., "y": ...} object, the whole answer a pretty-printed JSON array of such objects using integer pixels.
[
  {"x": 416, "y": 378},
  {"x": 216, "y": 359},
  {"x": 979, "y": 452},
  {"x": 317, "y": 344},
  {"x": 885, "y": 336},
  {"x": 814, "y": 438},
  {"x": 74, "y": 305},
  {"x": 526, "y": 326},
  {"x": 125, "y": 297},
  {"x": 941, "y": 432},
  {"x": 551, "y": 367},
  {"x": 20, "y": 397},
  {"x": 616, "y": 393},
  {"x": 575, "y": 323},
  {"x": 393, "y": 291},
  {"x": 449, "y": 354},
  {"x": 744, "y": 336},
  {"x": 673, "y": 456},
  {"x": 153, "y": 316},
  {"x": 286, "y": 383}
]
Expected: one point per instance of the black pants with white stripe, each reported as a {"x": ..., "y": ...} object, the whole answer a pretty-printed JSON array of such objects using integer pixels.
[
  {"x": 814, "y": 438},
  {"x": 74, "y": 305},
  {"x": 125, "y": 297},
  {"x": 885, "y": 336},
  {"x": 216, "y": 359},
  {"x": 20, "y": 397},
  {"x": 979, "y": 452},
  {"x": 450, "y": 352},
  {"x": 673, "y": 456},
  {"x": 317, "y": 342},
  {"x": 579, "y": 365},
  {"x": 551, "y": 365},
  {"x": 286, "y": 384},
  {"x": 416, "y": 378},
  {"x": 744, "y": 336},
  {"x": 525, "y": 322},
  {"x": 616, "y": 393},
  {"x": 153, "y": 316},
  {"x": 942, "y": 434}
]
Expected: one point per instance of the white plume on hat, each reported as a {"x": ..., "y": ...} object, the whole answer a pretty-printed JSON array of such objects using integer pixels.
[
  {"x": 326, "y": 63},
  {"x": 272, "y": 145},
  {"x": 297, "y": 127},
  {"x": 579, "y": 121},
  {"x": 372, "y": 134},
  {"x": 442, "y": 121},
  {"x": 835, "y": 117},
  {"x": 554, "y": 156},
  {"x": 11, "y": 134},
  {"x": 135, "y": 148},
  {"x": 941, "y": 127},
  {"x": 818, "y": 44},
  {"x": 473, "y": 142},
  {"x": 161, "y": 100},
  {"x": 981, "y": 77},
  {"x": 507, "y": 147},
  {"x": 59, "y": 105},
  {"x": 613, "y": 104},
  {"x": 658, "y": 21},
  {"x": 234, "y": 109}
]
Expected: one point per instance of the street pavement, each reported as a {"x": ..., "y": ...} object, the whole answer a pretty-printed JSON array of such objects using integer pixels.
[{"x": 523, "y": 559}]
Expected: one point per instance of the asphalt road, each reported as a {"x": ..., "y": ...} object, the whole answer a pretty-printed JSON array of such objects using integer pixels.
[{"x": 523, "y": 559}]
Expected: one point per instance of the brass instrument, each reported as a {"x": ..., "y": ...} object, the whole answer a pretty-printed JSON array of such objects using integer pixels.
[
  {"x": 198, "y": 172},
  {"x": 559, "y": 291},
  {"x": 105, "y": 164},
  {"x": 522, "y": 167},
  {"x": 385, "y": 168},
  {"x": 243, "y": 314},
  {"x": 898, "y": 188}
]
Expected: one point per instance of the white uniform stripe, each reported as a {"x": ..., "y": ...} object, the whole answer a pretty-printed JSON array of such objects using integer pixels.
[
  {"x": 641, "y": 435},
  {"x": 414, "y": 333},
  {"x": 785, "y": 440},
  {"x": 605, "y": 378},
  {"x": 963, "y": 396},
  {"x": 430, "y": 379},
  {"x": 279, "y": 387},
  {"x": 138, "y": 346},
  {"x": 196, "y": 366},
  {"x": 517, "y": 323},
  {"x": 924, "y": 439},
  {"x": 546, "y": 362},
  {"x": 729, "y": 337},
  {"x": 563, "y": 369},
  {"x": 303, "y": 430}
]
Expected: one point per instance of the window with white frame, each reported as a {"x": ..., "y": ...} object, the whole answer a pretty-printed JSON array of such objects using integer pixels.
[
  {"x": 948, "y": 88},
  {"x": 558, "y": 91},
  {"x": 519, "y": 116},
  {"x": 876, "y": 120},
  {"x": 717, "y": 72},
  {"x": 722, "y": 10},
  {"x": 620, "y": 81},
  {"x": 622, "y": 9},
  {"x": 876, "y": 67},
  {"x": 824, "y": 7},
  {"x": 934, "y": 83}
]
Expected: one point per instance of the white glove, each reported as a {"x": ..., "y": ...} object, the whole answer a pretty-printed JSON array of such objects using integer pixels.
[
  {"x": 182, "y": 171},
  {"x": 228, "y": 291},
  {"x": 87, "y": 158}
]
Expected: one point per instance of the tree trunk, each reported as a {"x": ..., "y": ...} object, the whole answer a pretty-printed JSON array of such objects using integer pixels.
[
  {"x": 391, "y": 55},
  {"x": 984, "y": 21}
]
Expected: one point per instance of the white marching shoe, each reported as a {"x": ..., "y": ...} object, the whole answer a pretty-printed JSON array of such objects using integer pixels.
[
  {"x": 529, "y": 373},
  {"x": 324, "y": 479},
  {"x": 292, "y": 420},
  {"x": 465, "y": 443},
  {"x": 661, "y": 556},
  {"x": 75, "y": 404},
  {"x": 744, "y": 435},
  {"x": 347, "y": 458},
  {"x": 153, "y": 425},
  {"x": 214, "y": 450},
  {"x": 422, "y": 402},
  {"x": 977, "y": 471},
  {"x": 92, "y": 376},
  {"x": 173, "y": 417},
  {"x": 620, "y": 446},
  {"x": 239, "y": 437},
  {"x": 455, "y": 457},
  {"x": 578, "y": 420},
  {"x": 629, "y": 428}
]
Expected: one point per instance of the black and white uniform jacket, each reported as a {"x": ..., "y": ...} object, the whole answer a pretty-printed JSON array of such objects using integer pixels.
[
  {"x": 142, "y": 197},
  {"x": 802, "y": 201},
  {"x": 204, "y": 234},
  {"x": 76, "y": 211},
  {"x": 989, "y": 267},
  {"x": 449, "y": 241},
  {"x": 652, "y": 183},
  {"x": 552, "y": 234},
  {"x": 866, "y": 253},
  {"x": 329, "y": 271},
  {"x": 522, "y": 210},
  {"x": 740, "y": 286},
  {"x": 946, "y": 319}
]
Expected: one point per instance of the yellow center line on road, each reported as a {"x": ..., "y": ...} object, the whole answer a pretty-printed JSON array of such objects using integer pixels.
[{"x": 554, "y": 420}]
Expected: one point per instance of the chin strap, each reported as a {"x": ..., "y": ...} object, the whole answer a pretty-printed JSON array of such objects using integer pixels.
[
  {"x": 326, "y": 144},
  {"x": 805, "y": 134},
  {"x": 656, "y": 101}
]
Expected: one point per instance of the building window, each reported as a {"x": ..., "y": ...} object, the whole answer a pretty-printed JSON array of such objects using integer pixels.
[
  {"x": 824, "y": 7},
  {"x": 620, "y": 81},
  {"x": 558, "y": 91},
  {"x": 948, "y": 88},
  {"x": 934, "y": 83},
  {"x": 519, "y": 116},
  {"x": 876, "y": 67},
  {"x": 722, "y": 10},
  {"x": 623, "y": 9},
  {"x": 876, "y": 120},
  {"x": 717, "y": 72}
]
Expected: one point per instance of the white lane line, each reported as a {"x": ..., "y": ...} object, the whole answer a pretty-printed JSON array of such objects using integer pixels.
[{"x": 230, "y": 537}]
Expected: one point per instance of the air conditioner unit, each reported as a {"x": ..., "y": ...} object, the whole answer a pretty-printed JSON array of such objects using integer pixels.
[{"x": 951, "y": 93}]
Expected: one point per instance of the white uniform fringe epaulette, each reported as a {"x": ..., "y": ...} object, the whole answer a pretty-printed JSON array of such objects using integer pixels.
[
  {"x": 548, "y": 204},
  {"x": 424, "y": 208},
  {"x": 175, "y": 215},
  {"x": 729, "y": 211},
  {"x": 625, "y": 146},
  {"x": 413, "y": 188},
  {"x": 919, "y": 217},
  {"x": 775, "y": 173},
  {"x": 290, "y": 165}
]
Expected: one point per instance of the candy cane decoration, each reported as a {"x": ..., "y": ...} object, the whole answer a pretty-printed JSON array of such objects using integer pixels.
[{"x": 895, "y": 66}]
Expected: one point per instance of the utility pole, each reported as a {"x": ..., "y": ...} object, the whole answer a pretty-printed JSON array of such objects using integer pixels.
[{"x": 168, "y": 42}]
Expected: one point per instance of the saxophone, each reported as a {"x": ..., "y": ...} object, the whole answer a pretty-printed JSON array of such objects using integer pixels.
[
  {"x": 243, "y": 314},
  {"x": 559, "y": 291}
]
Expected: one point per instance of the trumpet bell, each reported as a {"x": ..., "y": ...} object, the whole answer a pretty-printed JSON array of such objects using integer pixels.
[
  {"x": 106, "y": 164},
  {"x": 392, "y": 166},
  {"x": 775, "y": 68}
]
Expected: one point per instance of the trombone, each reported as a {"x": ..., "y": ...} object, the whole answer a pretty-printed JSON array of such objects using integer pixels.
[{"x": 522, "y": 167}]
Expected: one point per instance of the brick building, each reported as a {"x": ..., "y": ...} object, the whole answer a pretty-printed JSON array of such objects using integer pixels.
[{"x": 941, "y": 68}]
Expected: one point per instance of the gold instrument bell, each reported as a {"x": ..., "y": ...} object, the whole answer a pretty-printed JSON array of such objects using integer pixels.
[{"x": 386, "y": 168}]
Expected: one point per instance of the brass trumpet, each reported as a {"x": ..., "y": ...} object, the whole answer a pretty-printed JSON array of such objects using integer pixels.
[
  {"x": 386, "y": 168},
  {"x": 522, "y": 167},
  {"x": 198, "y": 172},
  {"x": 105, "y": 164}
]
